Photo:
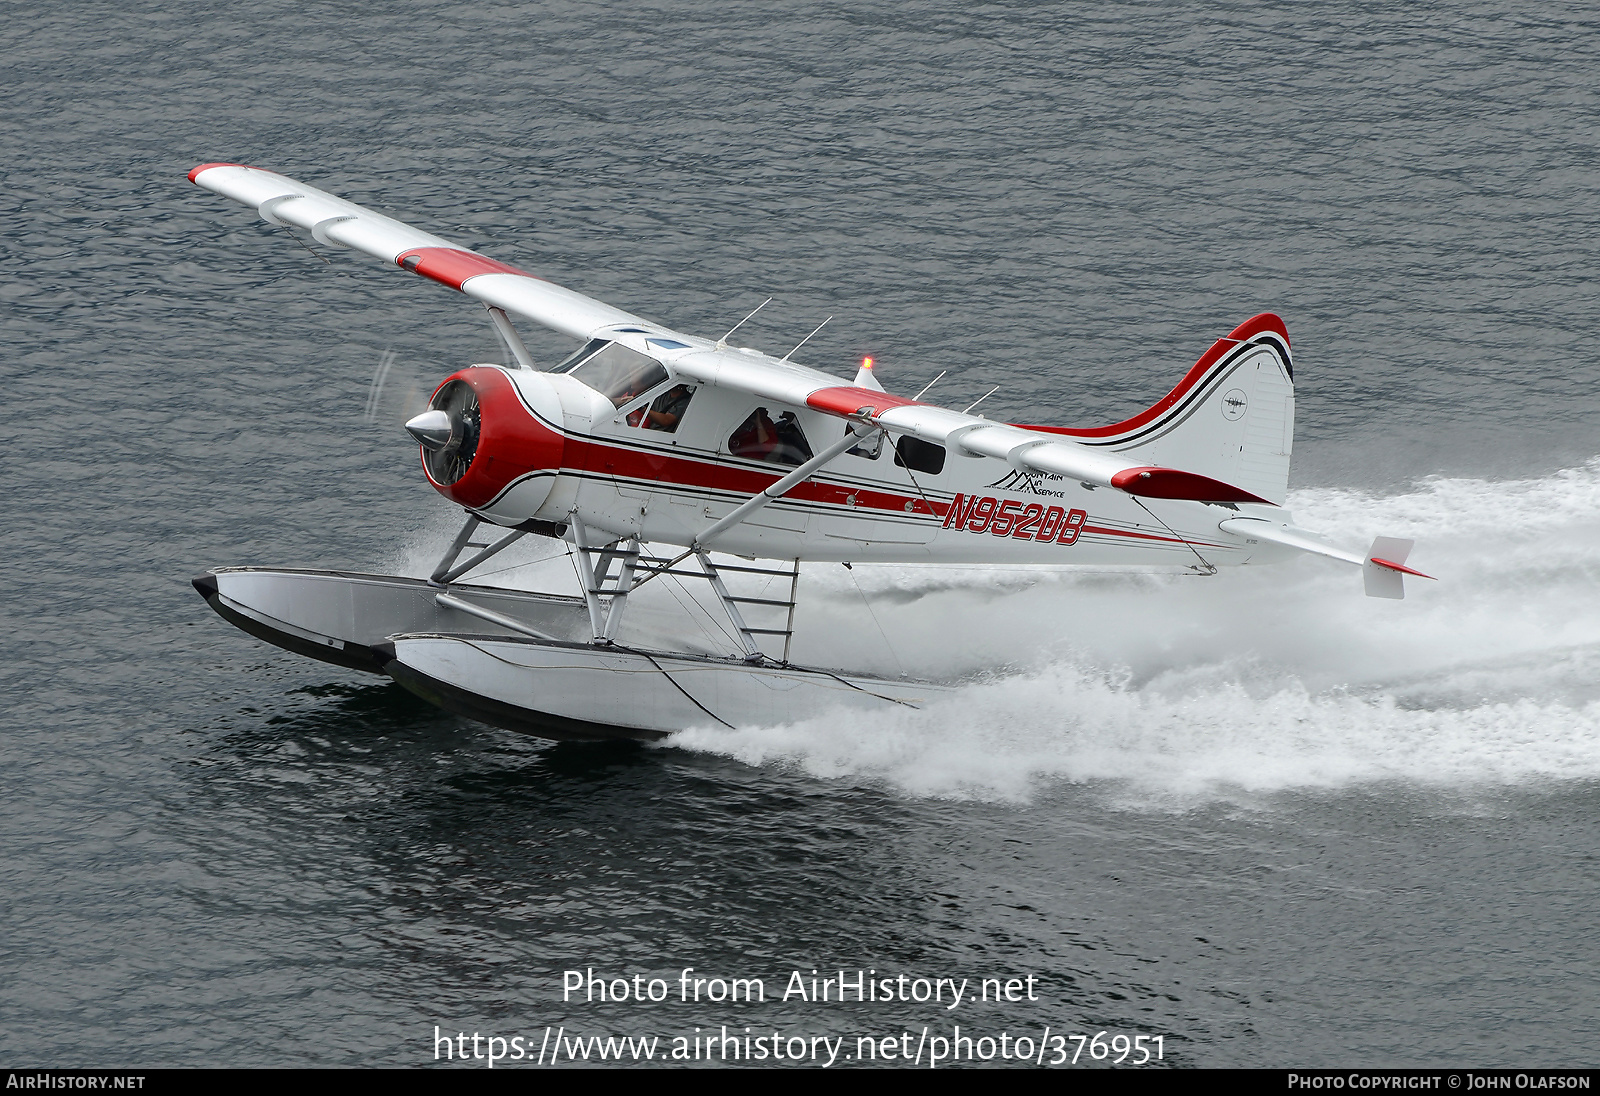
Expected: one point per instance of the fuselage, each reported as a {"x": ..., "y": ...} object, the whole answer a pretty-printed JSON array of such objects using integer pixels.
[{"x": 582, "y": 442}]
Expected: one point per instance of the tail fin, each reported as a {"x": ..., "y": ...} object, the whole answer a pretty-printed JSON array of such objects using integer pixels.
[
  {"x": 1384, "y": 569},
  {"x": 1230, "y": 418}
]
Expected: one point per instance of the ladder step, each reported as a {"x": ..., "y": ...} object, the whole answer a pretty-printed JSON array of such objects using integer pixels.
[
  {"x": 751, "y": 570},
  {"x": 685, "y": 574},
  {"x": 766, "y": 631},
  {"x": 760, "y": 601}
]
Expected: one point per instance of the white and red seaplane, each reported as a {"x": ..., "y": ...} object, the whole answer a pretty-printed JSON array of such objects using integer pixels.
[{"x": 647, "y": 449}]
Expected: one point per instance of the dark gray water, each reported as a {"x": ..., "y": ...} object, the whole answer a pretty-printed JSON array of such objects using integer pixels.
[{"x": 1259, "y": 815}]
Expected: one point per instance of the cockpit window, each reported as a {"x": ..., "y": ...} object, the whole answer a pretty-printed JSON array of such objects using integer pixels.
[
  {"x": 759, "y": 438},
  {"x": 580, "y": 354},
  {"x": 618, "y": 373},
  {"x": 664, "y": 412}
]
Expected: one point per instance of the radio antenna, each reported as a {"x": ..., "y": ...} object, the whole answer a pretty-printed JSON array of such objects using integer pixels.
[
  {"x": 805, "y": 340},
  {"x": 929, "y": 385},
  {"x": 980, "y": 399},
  {"x": 723, "y": 342}
]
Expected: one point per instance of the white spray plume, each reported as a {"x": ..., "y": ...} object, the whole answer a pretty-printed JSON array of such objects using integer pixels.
[{"x": 1172, "y": 689}]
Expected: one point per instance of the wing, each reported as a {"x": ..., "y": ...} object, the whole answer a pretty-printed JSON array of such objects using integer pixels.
[{"x": 336, "y": 222}]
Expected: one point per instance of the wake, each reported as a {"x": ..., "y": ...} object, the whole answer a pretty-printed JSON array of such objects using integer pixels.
[{"x": 1256, "y": 680}]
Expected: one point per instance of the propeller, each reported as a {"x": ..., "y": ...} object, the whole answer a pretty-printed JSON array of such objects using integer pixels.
[{"x": 448, "y": 432}]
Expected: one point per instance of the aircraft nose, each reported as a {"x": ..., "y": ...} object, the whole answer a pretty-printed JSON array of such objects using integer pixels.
[
  {"x": 432, "y": 430},
  {"x": 498, "y": 428}
]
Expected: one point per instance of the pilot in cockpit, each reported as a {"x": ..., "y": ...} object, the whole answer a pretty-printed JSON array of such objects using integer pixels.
[
  {"x": 667, "y": 409},
  {"x": 641, "y": 377},
  {"x": 664, "y": 411}
]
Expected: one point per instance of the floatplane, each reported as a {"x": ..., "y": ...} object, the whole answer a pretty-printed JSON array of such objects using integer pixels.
[{"x": 647, "y": 449}]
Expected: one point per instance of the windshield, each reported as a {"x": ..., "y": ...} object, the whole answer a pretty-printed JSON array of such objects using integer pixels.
[{"x": 618, "y": 373}]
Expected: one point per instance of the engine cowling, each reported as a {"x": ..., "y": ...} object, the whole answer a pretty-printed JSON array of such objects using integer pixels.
[{"x": 491, "y": 441}]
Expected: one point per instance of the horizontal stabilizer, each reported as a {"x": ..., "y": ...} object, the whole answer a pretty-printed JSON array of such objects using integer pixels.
[
  {"x": 1289, "y": 536},
  {"x": 1383, "y": 567},
  {"x": 1170, "y": 483}
]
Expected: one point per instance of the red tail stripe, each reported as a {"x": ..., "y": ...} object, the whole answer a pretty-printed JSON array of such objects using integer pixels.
[
  {"x": 1169, "y": 483},
  {"x": 1245, "y": 331}
]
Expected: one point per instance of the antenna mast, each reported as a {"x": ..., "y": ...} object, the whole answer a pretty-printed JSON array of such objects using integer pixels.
[
  {"x": 723, "y": 342},
  {"x": 805, "y": 340}
]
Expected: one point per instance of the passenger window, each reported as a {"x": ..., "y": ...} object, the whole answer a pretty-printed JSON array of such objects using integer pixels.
[
  {"x": 619, "y": 374},
  {"x": 869, "y": 448},
  {"x": 919, "y": 455},
  {"x": 664, "y": 412},
  {"x": 759, "y": 438}
]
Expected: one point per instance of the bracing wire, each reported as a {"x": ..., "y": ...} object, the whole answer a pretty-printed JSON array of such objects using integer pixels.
[
  {"x": 892, "y": 653},
  {"x": 1206, "y": 565},
  {"x": 696, "y": 603},
  {"x": 307, "y": 246}
]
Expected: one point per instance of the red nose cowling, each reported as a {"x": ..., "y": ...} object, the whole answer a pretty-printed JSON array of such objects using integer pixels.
[{"x": 512, "y": 441}]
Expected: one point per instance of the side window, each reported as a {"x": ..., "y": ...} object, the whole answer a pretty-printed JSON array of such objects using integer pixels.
[
  {"x": 760, "y": 438},
  {"x": 619, "y": 374},
  {"x": 919, "y": 455},
  {"x": 664, "y": 412},
  {"x": 869, "y": 448}
]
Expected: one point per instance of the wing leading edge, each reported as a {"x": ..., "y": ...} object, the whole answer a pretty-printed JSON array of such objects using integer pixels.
[{"x": 333, "y": 221}]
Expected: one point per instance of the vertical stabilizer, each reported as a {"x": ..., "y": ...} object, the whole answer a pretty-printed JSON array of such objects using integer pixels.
[{"x": 1231, "y": 418}]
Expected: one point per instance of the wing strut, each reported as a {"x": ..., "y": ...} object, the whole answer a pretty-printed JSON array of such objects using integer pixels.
[
  {"x": 851, "y": 439},
  {"x": 519, "y": 349}
]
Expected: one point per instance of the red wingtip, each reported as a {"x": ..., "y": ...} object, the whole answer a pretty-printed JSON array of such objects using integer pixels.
[
  {"x": 195, "y": 172},
  {"x": 1400, "y": 567},
  {"x": 1169, "y": 483}
]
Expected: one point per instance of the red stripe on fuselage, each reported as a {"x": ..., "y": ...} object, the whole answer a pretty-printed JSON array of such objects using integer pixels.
[
  {"x": 646, "y": 467},
  {"x": 452, "y": 266},
  {"x": 1137, "y": 536}
]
